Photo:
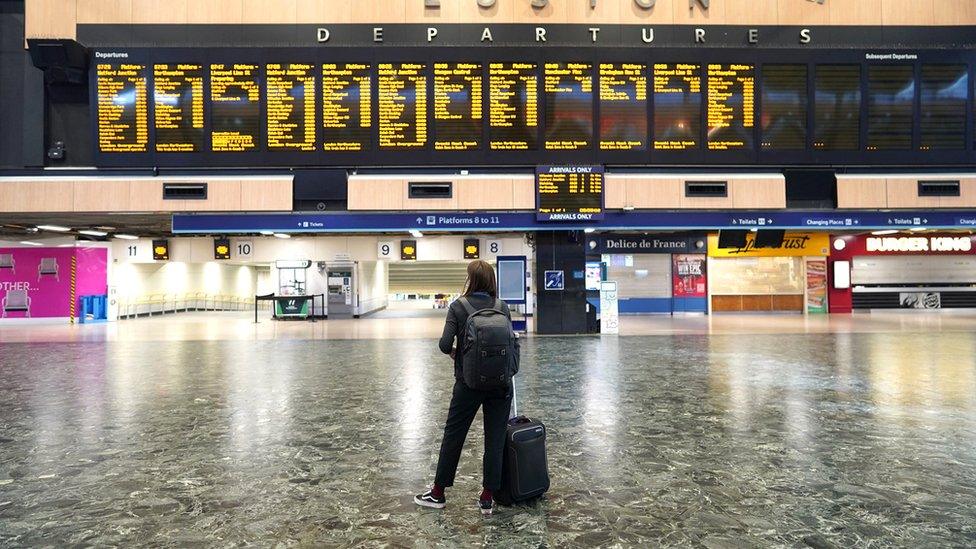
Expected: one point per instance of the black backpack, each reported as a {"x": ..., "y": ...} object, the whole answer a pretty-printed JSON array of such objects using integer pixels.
[{"x": 489, "y": 348}]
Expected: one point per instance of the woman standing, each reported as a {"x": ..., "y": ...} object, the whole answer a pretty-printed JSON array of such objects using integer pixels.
[{"x": 480, "y": 292}]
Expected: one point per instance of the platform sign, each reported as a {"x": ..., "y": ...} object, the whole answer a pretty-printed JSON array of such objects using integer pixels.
[
  {"x": 569, "y": 193},
  {"x": 555, "y": 280},
  {"x": 384, "y": 249},
  {"x": 242, "y": 249},
  {"x": 493, "y": 247}
]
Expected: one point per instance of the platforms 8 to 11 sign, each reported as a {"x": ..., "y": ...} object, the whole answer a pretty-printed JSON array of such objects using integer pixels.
[{"x": 569, "y": 193}]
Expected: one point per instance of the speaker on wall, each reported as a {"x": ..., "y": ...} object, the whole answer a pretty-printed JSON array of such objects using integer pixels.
[
  {"x": 732, "y": 238},
  {"x": 770, "y": 238}
]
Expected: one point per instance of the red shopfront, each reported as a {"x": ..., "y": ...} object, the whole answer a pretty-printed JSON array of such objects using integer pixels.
[{"x": 909, "y": 271}]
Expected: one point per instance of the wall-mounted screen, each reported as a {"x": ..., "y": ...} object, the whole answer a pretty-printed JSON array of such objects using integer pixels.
[
  {"x": 235, "y": 98},
  {"x": 347, "y": 107},
  {"x": 122, "y": 107},
  {"x": 178, "y": 107},
  {"x": 290, "y": 118},
  {"x": 513, "y": 106},
  {"x": 623, "y": 107},
  {"x": 784, "y": 107},
  {"x": 891, "y": 100},
  {"x": 942, "y": 111},
  {"x": 837, "y": 108},
  {"x": 402, "y": 106},
  {"x": 731, "y": 109},
  {"x": 458, "y": 108},
  {"x": 569, "y": 193},
  {"x": 677, "y": 106},
  {"x": 569, "y": 106}
]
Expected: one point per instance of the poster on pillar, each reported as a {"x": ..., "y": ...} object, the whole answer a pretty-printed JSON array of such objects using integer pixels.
[
  {"x": 688, "y": 275},
  {"x": 36, "y": 282},
  {"x": 816, "y": 286}
]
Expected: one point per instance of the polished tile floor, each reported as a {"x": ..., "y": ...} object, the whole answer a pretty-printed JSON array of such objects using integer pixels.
[{"x": 725, "y": 437}]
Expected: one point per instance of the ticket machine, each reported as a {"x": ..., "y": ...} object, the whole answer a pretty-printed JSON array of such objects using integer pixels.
[{"x": 342, "y": 294}]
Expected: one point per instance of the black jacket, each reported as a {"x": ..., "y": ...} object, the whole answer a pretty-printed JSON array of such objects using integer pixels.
[{"x": 456, "y": 319}]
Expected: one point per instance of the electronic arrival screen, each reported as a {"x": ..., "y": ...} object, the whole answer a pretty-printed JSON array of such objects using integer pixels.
[
  {"x": 943, "y": 107},
  {"x": 569, "y": 193},
  {"x": 623, "y": 107},
  {"x": 569, "y": 106},
  {"x": 402, "y": 106},
  {"x": 347, "y": 107},
  {"x": 458, "y": 106},
  {"x": 730, "y": 106},
  {"x": 178, "y": 107},
  {"x": 123, "y": 107},
  {"x": 784, "y": 107},
  {"x": 891, "y": 100},
  {"x": 837, "y": 107},
  {"x": 235, "y": 96},
  {"x": 513, "y": 106},
  {"x": 290, "y": 112},
  {"x": 677, "y": 106}
]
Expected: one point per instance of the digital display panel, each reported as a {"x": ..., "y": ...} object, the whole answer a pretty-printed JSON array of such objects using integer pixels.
[
  {"x": 731, "y": 106},
  {"x": 513, "y": 106},
  {"x": 235, "y": 95},
  {"x": 623, "y": 106},
  {"x": 402, "y": 106},
  {"x": 290, "y": 113},
  {"x": 837, "y": 107},
  {"x": 677, "y": 106},
  {"x": 178, "y": 107},
  {"x": 569, "y": 193},
  {"x": 784, "y": 107},
  {"x": 943, "y": 107},
  {"x": 569, "y": 106},
  {"x": 123, "y": 107},
  {"x": 347, "y": 107},
  {"x": 458, "y": 107},
  {"x": 891, "y": 99}
]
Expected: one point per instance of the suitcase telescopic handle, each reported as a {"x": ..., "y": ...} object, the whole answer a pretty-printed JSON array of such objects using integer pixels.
[{"x": 514, "y": 411}]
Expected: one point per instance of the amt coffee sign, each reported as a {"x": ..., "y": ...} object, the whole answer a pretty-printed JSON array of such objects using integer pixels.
[{"x": 646, "y": 244}]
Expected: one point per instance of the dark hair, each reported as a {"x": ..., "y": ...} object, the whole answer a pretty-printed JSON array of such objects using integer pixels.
[{"x": 481, "y": 278}]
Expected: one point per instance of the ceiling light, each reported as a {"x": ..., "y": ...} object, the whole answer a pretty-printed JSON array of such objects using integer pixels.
[
  {"x": 879, "y": 233},
  {"x": 917, "y": 229},
  {"x": 29, "y": 243},
  {"x": 589, "y": 230},
  {"x": 267, "y": 233},
  {"x": 92, "y": 232},
  {"x": 628, "y": 208},
  {"x": 126, "y": 237},
  {"x": 282, "y": 235},
  {"x": 754, "y": 229},
  {"x": 415, "y": 233},
  {"x": 55, "y": 228}
]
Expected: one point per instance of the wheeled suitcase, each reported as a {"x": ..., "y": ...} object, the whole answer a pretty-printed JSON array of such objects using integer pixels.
[{"x": 525, "y": 468}]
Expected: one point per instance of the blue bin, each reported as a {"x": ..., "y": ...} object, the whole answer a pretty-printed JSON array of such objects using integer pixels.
[{"x": 95, "y": 306}]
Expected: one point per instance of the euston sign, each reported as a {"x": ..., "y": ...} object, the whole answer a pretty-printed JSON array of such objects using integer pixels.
[{"x": 919, "y": 244}]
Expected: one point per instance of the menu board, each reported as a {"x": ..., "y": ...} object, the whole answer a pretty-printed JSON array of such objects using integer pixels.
[
  {"x": 458, "y": 106},
  {"x": 623, "y": 106},
  {"x": 569, "y": 193},
  {"x": 569, "y": 106},
  {"x": 943, "y": 107},
  {"x": 677, "y": 106},
  {"x": 891, "y": 100},
  {"x": 784, "y": 107},
  {"x": 178, "y": 107},
  {"x": 513, "y": 106},
  {"x": 837, "y": 107},
  {"x": 123, "y": 107},
  {"x": 235, "y": 95},
  {"x": 402, "y": 106},
  {"x": 347, "y": 107},
  {"x": 731, "y": 106},
  {"x": 290, "y": 90}
]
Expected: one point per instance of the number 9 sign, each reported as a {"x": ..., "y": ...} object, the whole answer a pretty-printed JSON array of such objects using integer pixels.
[{"x": 384, "y": 250}]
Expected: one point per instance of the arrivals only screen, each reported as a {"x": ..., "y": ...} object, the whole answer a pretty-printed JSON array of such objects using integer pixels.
[
  {"x": 569, "y": 193},
  {"x": 508, "y": 107}
]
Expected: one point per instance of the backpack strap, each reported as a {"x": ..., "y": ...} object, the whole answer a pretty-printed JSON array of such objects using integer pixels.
[{"x": 467, "y": 306}]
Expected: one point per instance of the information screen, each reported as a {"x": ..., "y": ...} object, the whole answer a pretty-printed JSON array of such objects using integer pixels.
[
  {"x": 677, "y": 106},
  {"x": 235, "y": 96},
  {"x": 891, "y": 97},
  {"x": 623, "y": 107},
  {"x": 569, "y": 106},
  {"x": 347, "y": 107},
  {"x": 123, "y": 107},
  {"x": 569, "y": 193},
  {"x": 784, "y": 107},
  {"x": 402, "y": 106},
  {"x": 178, "y": 108},
  {"x": 291, "y": 106},
  {"x": 837, "y": 107},
  {"x": 513, "y": 106},
  {"x": 943, "y": 107},
  {"x": 731, "y": 107},
  {"x": 458, "y": 106}
]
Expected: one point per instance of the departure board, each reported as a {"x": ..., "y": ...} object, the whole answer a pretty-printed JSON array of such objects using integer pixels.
[
  {"x": 730, "y": 108},
  {"x": 402, "y": 106},
  {"x": 513, "y": 106},
  {"x": 178, "y": 107},
  {"x": 677, "y": 106},
  {"x": 123, "y": 107},
  {"x": 623, "y": 106},
  {"x": 569, "y": 106},
  {"x": 891, "y": 100},
  {"x": 347, "y": 107},
  {"x": 290, "y": 111},
  {"x": 458, "y": 107},
  {"x": 837, "y": 107},
  {"x": 235, "y": 94},
  {"x": 569, "y": 193},
  {"x": 784, "y": 107},
  {"x": 943, "y": 107}
]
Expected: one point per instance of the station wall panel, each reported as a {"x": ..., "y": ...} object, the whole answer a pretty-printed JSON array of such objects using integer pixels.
[{"x": 901, "y": 192}]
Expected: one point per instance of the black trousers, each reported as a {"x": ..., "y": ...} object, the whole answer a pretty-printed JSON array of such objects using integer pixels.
[{"x": 464, "y": 405}]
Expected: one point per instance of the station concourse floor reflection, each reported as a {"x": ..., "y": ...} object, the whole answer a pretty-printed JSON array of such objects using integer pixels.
[{"x": 738, "y": 431}]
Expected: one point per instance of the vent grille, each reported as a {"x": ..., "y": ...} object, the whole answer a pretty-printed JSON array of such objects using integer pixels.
[
  {"x": 431, "y": 190},
  {"x": 709, "y": 189},
  {"x": 938, "y": 188},
  {"x": 184, "y": 191}
]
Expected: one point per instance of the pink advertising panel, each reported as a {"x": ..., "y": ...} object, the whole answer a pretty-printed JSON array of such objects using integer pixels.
[{"x": 36, "y": 282}]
